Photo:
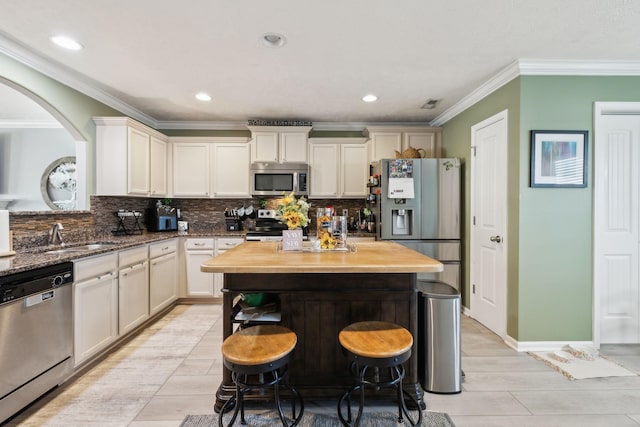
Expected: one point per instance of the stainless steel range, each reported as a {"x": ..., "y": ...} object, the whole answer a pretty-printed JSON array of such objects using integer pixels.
[{"x": 268, "y": 228}]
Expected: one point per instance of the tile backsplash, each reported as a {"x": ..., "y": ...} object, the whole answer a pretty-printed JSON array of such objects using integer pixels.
[{"x": 204, "y": 215}]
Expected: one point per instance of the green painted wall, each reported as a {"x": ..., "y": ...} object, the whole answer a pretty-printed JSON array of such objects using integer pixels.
[
  {"x": 456, "y": 138},
  {"x": 550, "y": 229},
  {"x": 556, "y": 224}
]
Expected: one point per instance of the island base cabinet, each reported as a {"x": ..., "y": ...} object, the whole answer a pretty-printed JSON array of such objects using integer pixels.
[{"x": 316, "y": 307}]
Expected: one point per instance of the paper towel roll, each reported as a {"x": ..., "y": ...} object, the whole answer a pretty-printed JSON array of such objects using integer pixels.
[{"x": 5, "y": 243}]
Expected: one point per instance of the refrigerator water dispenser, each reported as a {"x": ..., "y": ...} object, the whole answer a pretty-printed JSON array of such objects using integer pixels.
[{"x": 401, "y": 222}]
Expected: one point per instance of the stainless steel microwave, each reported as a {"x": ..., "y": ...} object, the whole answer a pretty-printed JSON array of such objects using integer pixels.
[{"x": 273, "y": 179}]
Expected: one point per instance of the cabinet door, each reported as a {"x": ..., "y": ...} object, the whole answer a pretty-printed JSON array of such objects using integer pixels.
[
  {"x": 354, "y": 172},
  {"x": 230, "y": 170},
  {"x": 385, "y": 144},
  {"x": 323, "y": 165},
  {"x": 428, "y": 141},
  {"x": 293, "y": 147},
  {"x": 133, "y": 296},
  {"x": 138, "y": 162},
  {"x": 162, "y": 282},
  {"x": 265, "y": 147},
  {"x": 158, "y": 167},
  {"x": 199, "y": 284},
  {"x": 191, "y": 169},
  {"x": 95, "y": 315}
]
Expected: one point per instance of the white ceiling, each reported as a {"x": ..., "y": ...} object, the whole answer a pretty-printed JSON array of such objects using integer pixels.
[{"x": 149, "y": 57}]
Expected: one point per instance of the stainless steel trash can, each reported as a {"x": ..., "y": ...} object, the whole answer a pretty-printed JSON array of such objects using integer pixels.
[{"x": 439, "y": 355}]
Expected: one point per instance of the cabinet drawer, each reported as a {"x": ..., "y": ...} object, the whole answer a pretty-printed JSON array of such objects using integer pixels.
[
  {"x": 162, "y": 248},
  {"x": 199, "y": 244},
  {"x": 133, "y": 256},
  {"x": 91, "y": 267},
  {"x": 224, "y": 243}
]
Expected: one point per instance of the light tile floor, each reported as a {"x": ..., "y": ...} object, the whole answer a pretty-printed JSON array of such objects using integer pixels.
[{"x": 173, "y": 368}]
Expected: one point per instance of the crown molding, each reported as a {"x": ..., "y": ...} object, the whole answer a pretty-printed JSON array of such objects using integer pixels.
[
  {"x": 200, "y": 125},
  {"x": 63, "y": 75},
  {"x": 520, "y": 67},
  {"x": 539, "y": 67}
]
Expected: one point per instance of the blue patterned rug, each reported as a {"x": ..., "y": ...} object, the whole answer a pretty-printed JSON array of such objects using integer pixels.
[{"x": 374, "y": 419}]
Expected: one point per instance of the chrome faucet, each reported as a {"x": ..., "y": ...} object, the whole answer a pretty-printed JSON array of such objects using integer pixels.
[{"x": 54, "y": 234}]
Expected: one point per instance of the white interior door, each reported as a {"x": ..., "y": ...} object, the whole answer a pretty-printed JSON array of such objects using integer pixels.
[
  {"x": 489, "y": 224},
  {"x": 616, "y": 225}
]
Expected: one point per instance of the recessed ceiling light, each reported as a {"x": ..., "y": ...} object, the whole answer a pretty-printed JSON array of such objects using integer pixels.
[
  {"x": 66, "y": 42},
  {"x": 370, "y": 98},
  {"x": 203, "y": 96},
  {"x": 273, "y": 40}
]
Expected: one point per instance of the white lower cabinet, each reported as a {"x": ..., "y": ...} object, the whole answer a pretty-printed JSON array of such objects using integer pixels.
[
  {"x": 95, "y": 305},
  {"x": 199, "y": 284},
  {"x": 162, "y": 275},
  {"x": 133, "y": 288}
]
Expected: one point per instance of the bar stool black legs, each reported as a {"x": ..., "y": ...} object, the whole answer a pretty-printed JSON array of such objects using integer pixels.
[
  {"x": 246, "y": 380},
  {"x": 376, "y": 351},
  {"x": 377, "y": 377}
]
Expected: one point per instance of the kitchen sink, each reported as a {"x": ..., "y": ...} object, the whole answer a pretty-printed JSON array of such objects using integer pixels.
[{"x": 82, "y": 248}]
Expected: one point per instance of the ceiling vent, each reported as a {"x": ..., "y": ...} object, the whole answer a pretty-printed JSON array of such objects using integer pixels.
[{"x": 430, "y": 104}]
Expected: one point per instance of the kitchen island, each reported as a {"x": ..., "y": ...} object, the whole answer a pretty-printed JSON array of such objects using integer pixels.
[{"x": 318, "y": 294}]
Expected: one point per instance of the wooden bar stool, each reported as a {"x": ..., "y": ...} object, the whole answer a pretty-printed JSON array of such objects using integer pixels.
[
  {"x": 372, "y": 348},
  {"x": 258, "y": 357}
]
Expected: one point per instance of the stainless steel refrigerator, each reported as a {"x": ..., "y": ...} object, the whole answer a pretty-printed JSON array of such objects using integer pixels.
[{"x": 419, "y": 207}]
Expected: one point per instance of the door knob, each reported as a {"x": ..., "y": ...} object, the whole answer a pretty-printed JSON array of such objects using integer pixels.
[{"x": 496, "y": 239}]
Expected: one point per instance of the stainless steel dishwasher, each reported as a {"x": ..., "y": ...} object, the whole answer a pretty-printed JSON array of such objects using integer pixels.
[{"x": 36, "y": 334}]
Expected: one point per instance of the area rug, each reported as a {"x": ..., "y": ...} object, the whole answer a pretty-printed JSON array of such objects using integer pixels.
[
  {"x": 577, "y": 369},
  {"x": 374, "y": 419}
]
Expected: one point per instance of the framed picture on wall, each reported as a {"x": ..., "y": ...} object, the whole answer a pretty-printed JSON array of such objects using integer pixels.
[{"x": 559, "y": 158}]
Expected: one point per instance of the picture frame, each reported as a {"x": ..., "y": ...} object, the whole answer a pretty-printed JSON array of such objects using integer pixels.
[{"x": 559, "y": 158}]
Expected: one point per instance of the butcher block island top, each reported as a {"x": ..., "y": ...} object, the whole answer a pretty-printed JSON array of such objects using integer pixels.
[{"x": 370, "y": 257}]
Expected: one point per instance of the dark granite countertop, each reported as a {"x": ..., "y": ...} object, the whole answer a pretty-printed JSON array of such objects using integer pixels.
[{"x": 30, "y": 258}]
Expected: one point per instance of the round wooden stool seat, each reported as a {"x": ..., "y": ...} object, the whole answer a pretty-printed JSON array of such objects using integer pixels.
[
  {"x": 258, "y": 358},
  {"x": 375, "y": 340},
  {"x": 374, "y": 348},
  {"x": 259, "y": 345}
]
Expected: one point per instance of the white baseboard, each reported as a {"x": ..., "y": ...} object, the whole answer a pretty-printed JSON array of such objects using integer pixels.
[{"x": 521, "y": 346}]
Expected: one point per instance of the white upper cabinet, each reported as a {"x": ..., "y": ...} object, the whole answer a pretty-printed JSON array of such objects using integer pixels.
[
  {"x": 158, "y": 167},
  {"x": 339, "y": 167},
  {"x": 230, "y": 164},
  {"x": 138, "y": 147},
  {"x": 279, "y": 144},
  {"x": 129, "y": 158},
  {"x": 210, "y": 166},
  {"x": 387, "y": 140},
  {"x": 191, "y": 169},
  {"x": 323, "y": 170},
  {"x": 354, "y": 175},
  {"x": 385, "y": 144}
]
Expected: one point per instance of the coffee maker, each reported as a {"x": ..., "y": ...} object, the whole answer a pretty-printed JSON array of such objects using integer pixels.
[{"x": 162, "y": 218}]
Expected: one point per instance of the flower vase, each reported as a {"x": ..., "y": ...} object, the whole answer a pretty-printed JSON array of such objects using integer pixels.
[{"x": 292, "y": 240}]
